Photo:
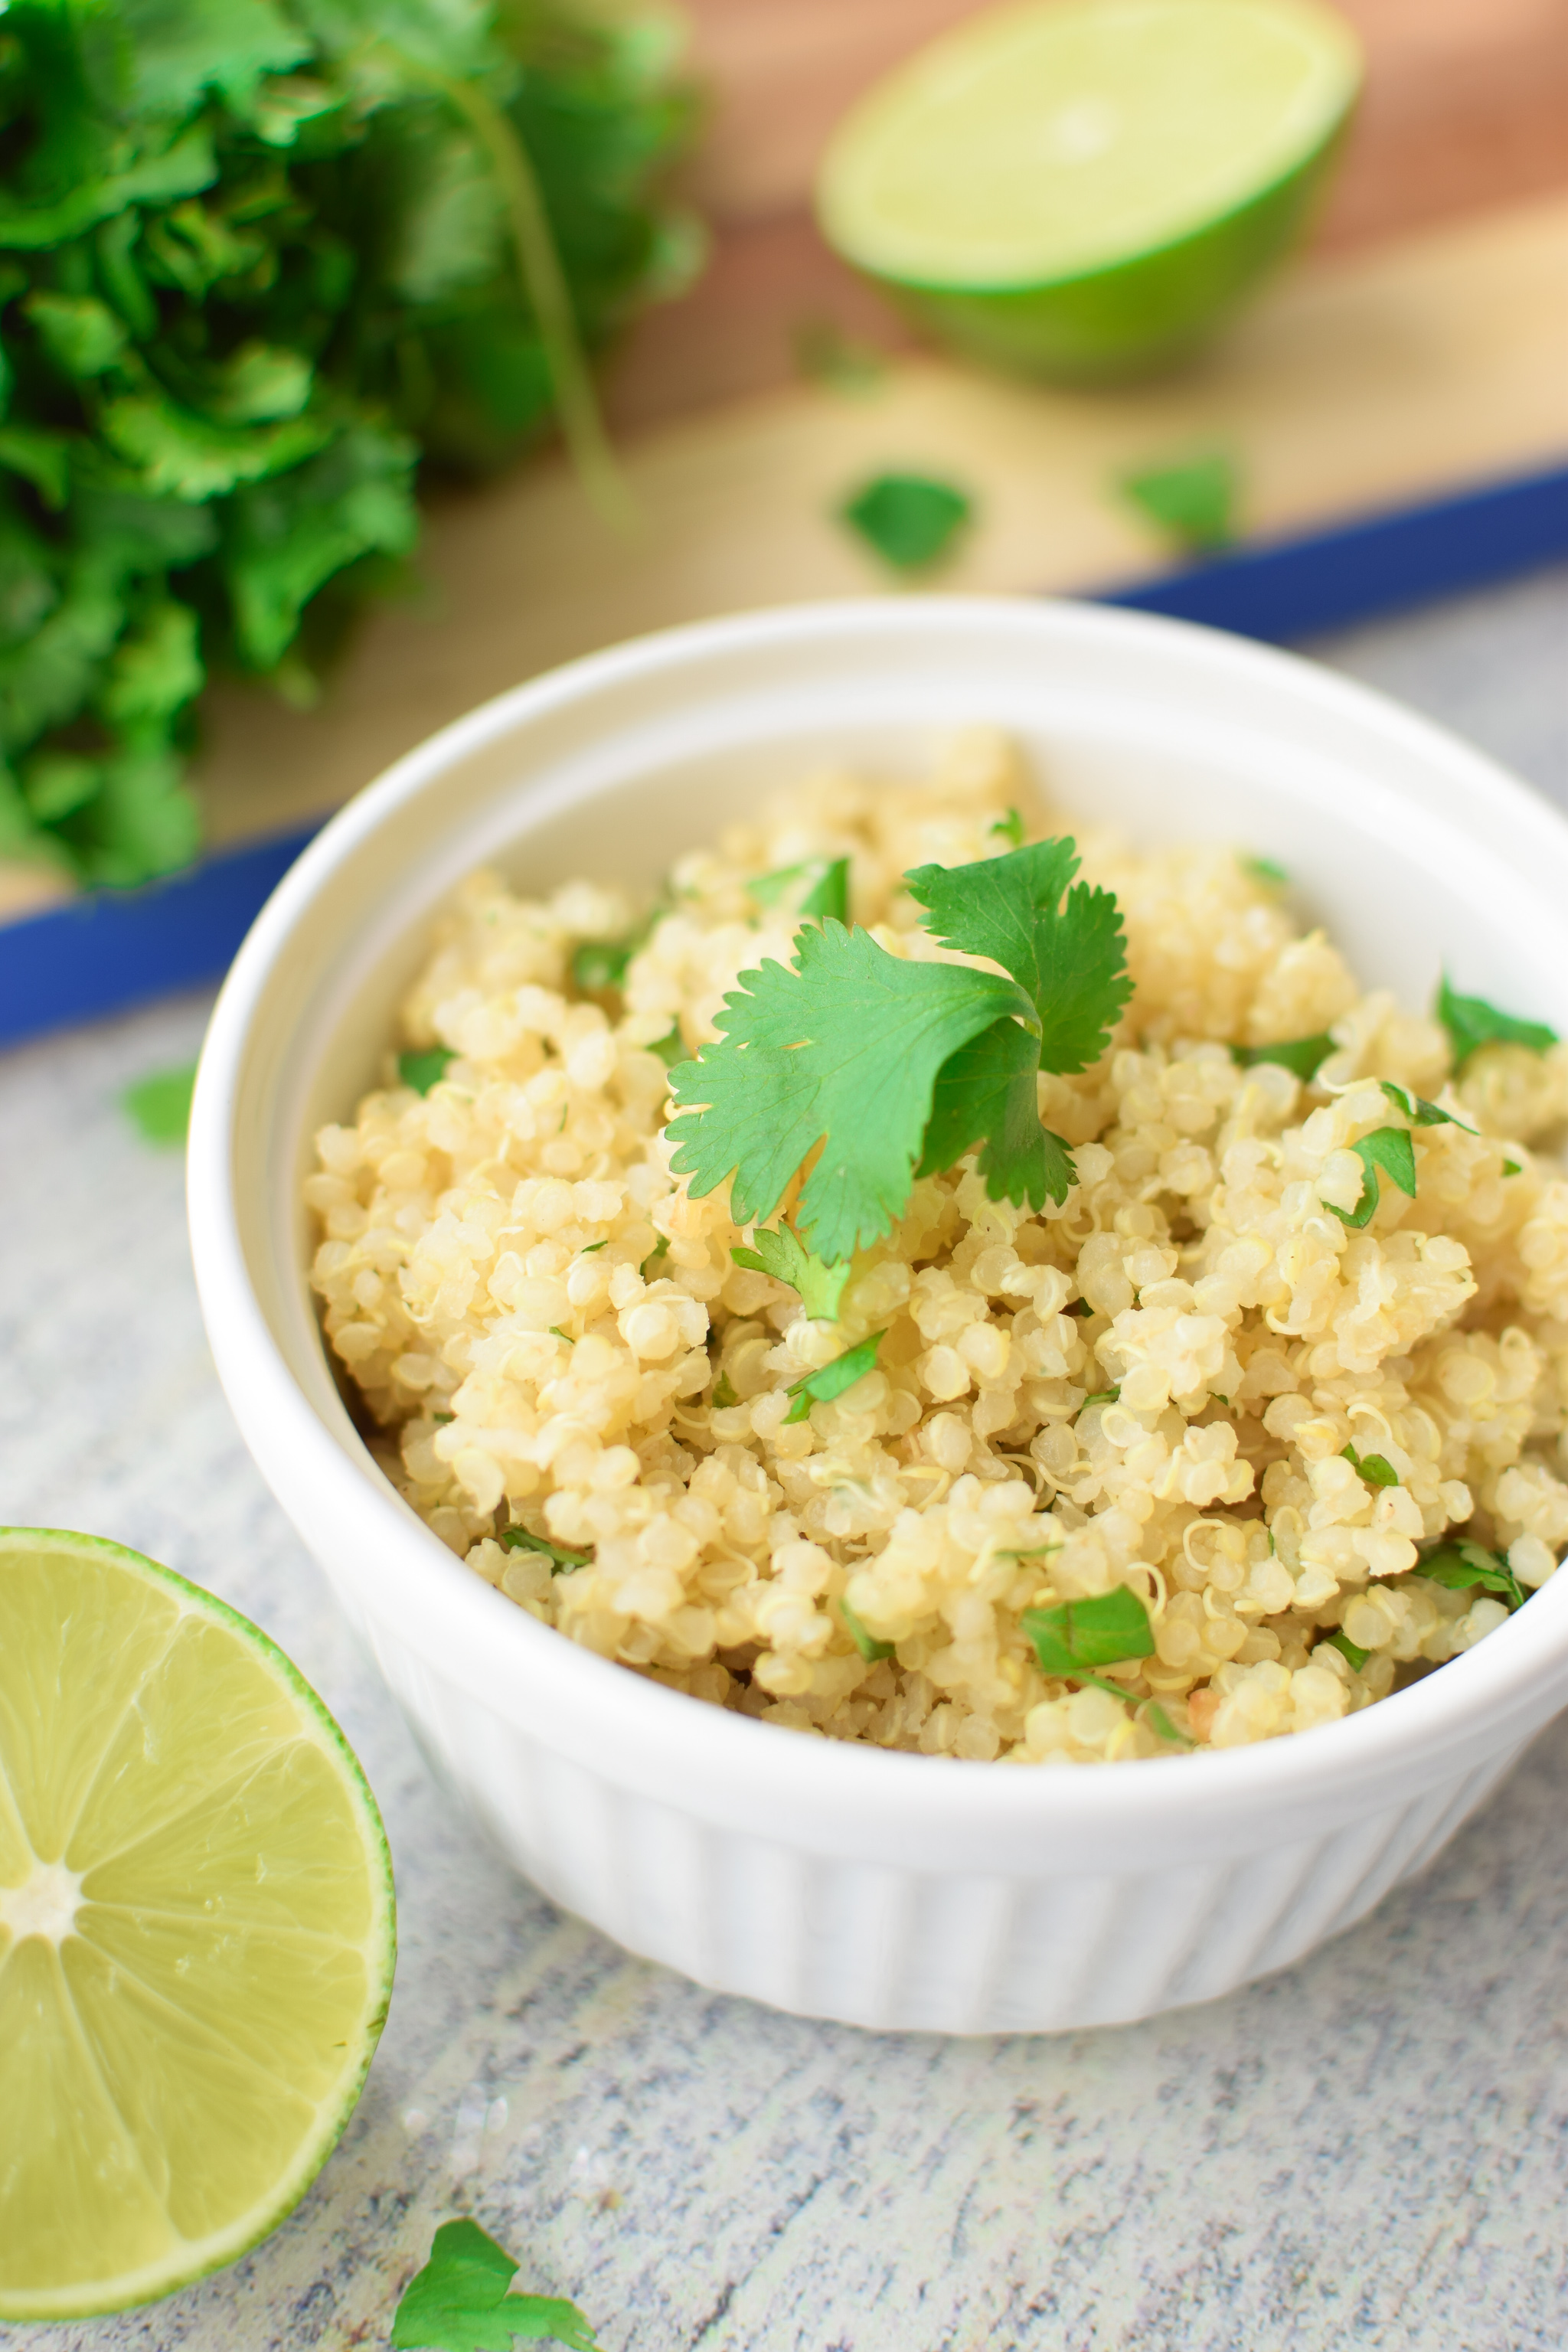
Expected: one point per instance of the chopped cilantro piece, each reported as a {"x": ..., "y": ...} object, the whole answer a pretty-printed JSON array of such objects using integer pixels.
[
  {"x": 601, "y": 964},
  {"x": 1471, "y": 1022},
  {"x": 1072, "y": 1639},
  {"x": 724, "y": 1397},
  {"x": 1390, "y": 1149},
  {"x": 659, "y": 1250},
  {"x": 1415, "y": 1107},
  {"x": 1341, "y": 1641},
  {"x": 1303, "y": 1056},
  {"x": 1265, "y": 871},
  {"x": 562, "y": 1558},
  {"x": 589, "y": 1247},
  {"x": 1513, "y": 1167},
  {"x": 1011, "y": 828},
  {"x": 671, "y": 1048},
  {"x": 830, "y": 1381},
  {"x": 1460, "y": 1566},
  {"x": 782, "y": 1255},
  {"x": 1101, "y": 1396},
  {"x": 460, "y": 2302},
  {"x": 870, "y": 1649},
  {"x": 443, "y": 1417},
  {"x": 557, "y": 1333},
  {"x": 898, "y": 1067},
  {"x": 823, "y": 883},
  {"x": 908, "y": 519},
  {"x": 1375, "y": 1468},
  {"x": 425, "y": 1069},
  {"x": 1193, "y": 501},
  {"x": 160, "y": 1104}
]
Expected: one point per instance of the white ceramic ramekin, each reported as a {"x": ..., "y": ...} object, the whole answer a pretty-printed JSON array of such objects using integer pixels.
[{"x": 890, "y": 1890}]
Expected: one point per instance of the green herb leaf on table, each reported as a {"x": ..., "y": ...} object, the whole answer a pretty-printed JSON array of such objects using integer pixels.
[
  {"x": 1193, "y": 501},
  {"x": 160, "y": 1104},
  {"x": 1074, "y": 1637},
  {"x": 1390, "y": 1150},
  {"x": 816, "y": 887},
  {"x": 1375, "y": 1468},
  {"x": 562, "y": 1558},
  {"x": 869, "y": 1647},
  {"x": 1341, "y": 1641},
  {"x": 1462, "y": 1566},
  {"x": 830, "y": 1381},
  {"x": 1471, "y": 1022},
  {"x": 908, "y": 519},
  {"x": 784, "y": 1257},
  {"x": 425, "y": 1067},
  {"x": 1303, "y": 1056},
  {"x": 1418, "y": 1110},
  {"x": 460, "y": 2302}
]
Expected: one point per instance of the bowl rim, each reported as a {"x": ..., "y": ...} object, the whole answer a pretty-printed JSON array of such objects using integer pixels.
[{"x": 637, "y": 1731}]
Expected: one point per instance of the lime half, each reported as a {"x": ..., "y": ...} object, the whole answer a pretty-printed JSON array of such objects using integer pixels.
[
  {"x": 197, "y": 1933},
  {"x": 1084, "y": 188}
]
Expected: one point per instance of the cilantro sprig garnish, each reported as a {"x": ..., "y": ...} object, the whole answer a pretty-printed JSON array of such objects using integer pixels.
[
  {"x": 1464, "y": 1565},
  {"x": 424, "y": 1067},
  {"x": 784, "y": 1255},
  {"x": 460, "y": 2302},
  {"x": 1390, "y": 1150},
  {"x": 1303, "y": 1056},
  {"x": 830, "y": 1381},
  {"x": 1471, "y": 1022},
  {"x": 1418, "y": 1110},
  {"x": 1071, "y": 1639},
  {"x": 897, "y": 1068},
  {"x": 1375, "y": 1468},
  {"x": 562, "y": 1558}
]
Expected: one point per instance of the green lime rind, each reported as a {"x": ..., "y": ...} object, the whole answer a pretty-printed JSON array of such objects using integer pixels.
[{"x": 195, "y": 2258}]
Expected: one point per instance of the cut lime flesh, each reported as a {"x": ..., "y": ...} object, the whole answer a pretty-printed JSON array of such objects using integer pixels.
[
  {"x": 1076, "y": 182},
  {"x": 197, "y": 1929}
]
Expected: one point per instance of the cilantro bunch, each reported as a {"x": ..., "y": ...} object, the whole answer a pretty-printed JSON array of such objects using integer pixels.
[
  {"x": 257, "y": 259},
  {"x": 895, "y": 1068}
]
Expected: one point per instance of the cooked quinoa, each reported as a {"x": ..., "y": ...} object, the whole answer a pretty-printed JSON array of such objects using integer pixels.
[{"x": 1152, "y": 1385}]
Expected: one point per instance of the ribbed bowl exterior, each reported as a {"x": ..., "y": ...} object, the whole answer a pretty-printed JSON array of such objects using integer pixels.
[
  {"x": 822, "y": 1876},
  {"x": 899, "y": 1949}
]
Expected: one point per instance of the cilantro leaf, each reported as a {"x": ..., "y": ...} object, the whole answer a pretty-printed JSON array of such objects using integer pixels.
[
  {"x": 1304, "y": 1057},
  {"x": 1078, "y": 1635},
  {"x": 1375, "y": 1468},
  {"x": 562, "y": 1558},
  {"x": 782, "y": 1256},
  {"x": 1461, "y": 1565},
  {"x": 724, "y": 1396},
  {"x": 987, "y": 1089},
  {"x": 908, "y": 519},
  {"x": 460, "y": 2302},
  {"x": 1390, "y": 1149},
  {"x": 1011, "y": 828},
  {"x": 1471, "y": 1022},
  {"x": 843, "y": 1048},
  {"x": 824, "y": 882},
  {"x": 1193, "y": 501},
  {"x": 830, "y": 1381},
  {"x": 160, "y": 1104},
  {"x": 425, "y": 1068},
  {"x": 1415, "y": 1107},
  {"x": 869, "y": 1647},
  {"x": 1341, "y": 1641},
  {"x": 1160, "y": 1722},
  {"x": 1068, "y": 953}
]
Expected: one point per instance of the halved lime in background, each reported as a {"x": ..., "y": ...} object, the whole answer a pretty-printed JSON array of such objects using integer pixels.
[
  {"x": 1084, "y": 189},
  {"x": 197, "y": 1929}
]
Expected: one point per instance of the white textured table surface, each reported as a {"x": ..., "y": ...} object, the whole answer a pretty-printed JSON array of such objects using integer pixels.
[{"x": 1370, "y": 2150}]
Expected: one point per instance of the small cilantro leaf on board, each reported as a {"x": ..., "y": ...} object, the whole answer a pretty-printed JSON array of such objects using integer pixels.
[
  {"x": 869, "y": 1647},
  {"x": 1341, "y": 1641},
  {"x": 1390, "y": 1150},
  {"x": 842, "y": 1048},
  {"x": 460, "y": 2302},
  {"x": 1303, "y": 1056},
  {"x": 1471, "y": 1022},
  {"x": 1375, "y": 1468},
  {"x": 1418, "y": 1110},
  {"x": 908, "y": 519},
  {"x": 1079, "y": 1635},
  {"x": 1192, "y": 500},
  {"x": 1067, "y": 950},
  {"x": 830, "y": 1381},
  {"x": 424, "y": 1067},
  {"x": 1461, "y": 1565},
  {"x": 784, "y": 1255},
  {"x": 159, "y": 1106},
  {"x": 822, "y": 883},
  {"x": 562, "y": 1558},
  {"x": 987, "y": 1089}
]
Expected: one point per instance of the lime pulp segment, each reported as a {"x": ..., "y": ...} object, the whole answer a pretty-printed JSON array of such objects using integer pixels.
[
  {"x": 197, "y": 1929},
  {"x": 1043, "y": 142}
]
